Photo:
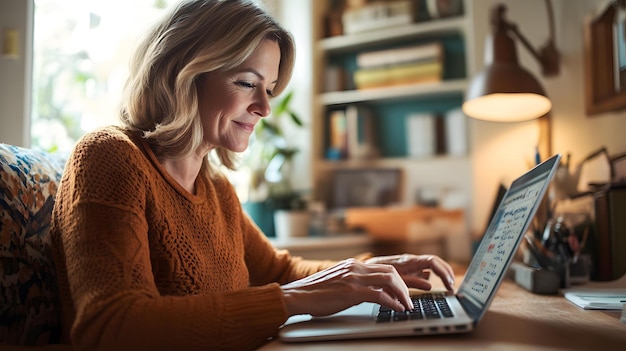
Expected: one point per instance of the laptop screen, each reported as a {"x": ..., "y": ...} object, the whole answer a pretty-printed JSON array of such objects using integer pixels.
[{"x": 504, "y": 233}]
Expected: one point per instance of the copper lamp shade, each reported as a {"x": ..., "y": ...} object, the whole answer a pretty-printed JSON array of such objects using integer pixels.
[{"x": 505, "y": 91}]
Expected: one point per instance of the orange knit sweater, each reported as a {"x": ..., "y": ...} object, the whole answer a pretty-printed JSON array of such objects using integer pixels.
[{"x": 143, "y": 264}]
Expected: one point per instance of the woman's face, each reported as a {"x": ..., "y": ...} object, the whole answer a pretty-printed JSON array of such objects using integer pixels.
[{"x": 232, "y": 102}]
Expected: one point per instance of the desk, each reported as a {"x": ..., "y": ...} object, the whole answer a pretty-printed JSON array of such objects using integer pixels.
[{"x": 516, "y": 320}]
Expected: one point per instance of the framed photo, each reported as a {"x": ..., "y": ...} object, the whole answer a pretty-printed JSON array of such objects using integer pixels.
[
  {"x": 366, "y": 187},
  {"x": 605, "y": 58}
]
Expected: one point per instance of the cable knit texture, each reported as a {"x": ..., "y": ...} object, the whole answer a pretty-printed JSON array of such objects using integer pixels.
[{"x": 144, "y": 264}]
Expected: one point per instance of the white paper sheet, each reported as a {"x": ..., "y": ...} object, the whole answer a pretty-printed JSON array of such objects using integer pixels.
[{"x": 609, "y": 295}]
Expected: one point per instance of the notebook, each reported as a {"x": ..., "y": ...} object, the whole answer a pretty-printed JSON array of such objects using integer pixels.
[{"x": 465, "y": 307}]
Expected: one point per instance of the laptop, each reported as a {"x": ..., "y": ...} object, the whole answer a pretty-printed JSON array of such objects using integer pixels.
[{"x": 445, "y": 312}]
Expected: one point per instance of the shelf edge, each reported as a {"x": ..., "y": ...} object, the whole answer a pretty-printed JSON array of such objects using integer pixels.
[
  {"x": 392, "y": 93},
  {"x": 352, "y": 41}
]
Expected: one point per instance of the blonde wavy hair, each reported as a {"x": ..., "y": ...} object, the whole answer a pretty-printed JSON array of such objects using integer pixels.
[{"x": 198, "y": 36}]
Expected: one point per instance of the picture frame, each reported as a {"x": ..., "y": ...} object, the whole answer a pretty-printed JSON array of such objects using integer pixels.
[
  {"x": 366, "y": 187},
  {"x": 605, "y": 58}
]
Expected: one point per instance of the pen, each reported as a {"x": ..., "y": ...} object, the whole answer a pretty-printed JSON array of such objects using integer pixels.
[
  {"x": 580, "y": 245},
  {"x": 539, "y": 256}
]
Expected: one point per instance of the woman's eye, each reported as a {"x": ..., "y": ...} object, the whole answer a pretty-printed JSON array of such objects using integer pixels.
[
  {"x": 245, "y": 85},
  {"x": 252, "y": 86}
]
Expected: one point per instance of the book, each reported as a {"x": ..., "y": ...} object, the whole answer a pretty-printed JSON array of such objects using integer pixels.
[
  {"x": 377, "y": 16},
  {"x": 337, "y": 131},
  {"x": 440, "y": 136},
  {"x": 361, "y": 132},
  {"x": 420, "y": 129},
  {"x": 398, "y": 75},
  {"x": 430, "y": 78},
  {"x": 400, "y": 55},
  {"x": 334, "y": 78},
  {"x": 456, "y": 132}
]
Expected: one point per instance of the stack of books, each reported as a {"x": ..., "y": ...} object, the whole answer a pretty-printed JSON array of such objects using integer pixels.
[
  {"x": 377, "y": 15},
  {"x": 399, "y": 66}
]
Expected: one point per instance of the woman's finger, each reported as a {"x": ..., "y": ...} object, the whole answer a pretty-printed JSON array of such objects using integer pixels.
[
  {"x": 445, "y": 272},
  {"x": 384, "y": 277}
]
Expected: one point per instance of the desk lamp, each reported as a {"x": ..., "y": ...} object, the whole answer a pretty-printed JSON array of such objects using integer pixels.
[{"x": 505, "y": 91}]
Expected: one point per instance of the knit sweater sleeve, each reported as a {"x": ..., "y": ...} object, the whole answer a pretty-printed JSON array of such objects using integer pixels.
[{"x": 103, "y": 257}]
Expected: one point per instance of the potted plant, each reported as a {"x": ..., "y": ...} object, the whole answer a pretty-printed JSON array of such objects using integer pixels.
[{"x": 270, "y": 159}]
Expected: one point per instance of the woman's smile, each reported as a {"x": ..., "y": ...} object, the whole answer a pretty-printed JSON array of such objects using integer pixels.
[{"x": 249, "y": 127}]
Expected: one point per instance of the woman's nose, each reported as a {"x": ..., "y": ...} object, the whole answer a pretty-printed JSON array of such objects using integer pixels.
[{"x": 261, "y": 106}]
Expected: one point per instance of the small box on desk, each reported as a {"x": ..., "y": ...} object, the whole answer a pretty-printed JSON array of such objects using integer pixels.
[{"x": 538, "y": 281}]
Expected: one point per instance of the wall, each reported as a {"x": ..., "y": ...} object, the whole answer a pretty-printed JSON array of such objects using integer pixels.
[
  {"x": 574, "y": 131},
  {"x": 15, "y": 74},
  {"x": 296, "y": 17},
  {"x": 503, "y": 151}
]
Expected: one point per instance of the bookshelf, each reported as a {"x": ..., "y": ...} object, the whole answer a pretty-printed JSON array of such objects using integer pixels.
[{"x": 393, "y": 103}]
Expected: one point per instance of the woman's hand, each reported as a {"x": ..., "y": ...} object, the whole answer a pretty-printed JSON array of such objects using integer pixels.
[
  {"x": 346, "y": 284},
  {"x": 415, "y": 269}
]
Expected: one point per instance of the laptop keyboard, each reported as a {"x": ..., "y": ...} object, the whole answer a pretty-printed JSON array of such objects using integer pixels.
[{"x": 427, "y": 306}]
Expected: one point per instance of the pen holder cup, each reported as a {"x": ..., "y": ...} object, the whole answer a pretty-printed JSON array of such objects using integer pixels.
[{"x": 549, "y": 281}]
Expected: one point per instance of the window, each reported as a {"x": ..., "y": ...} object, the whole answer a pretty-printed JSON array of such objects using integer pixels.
[{"x": 81, "y": 54}]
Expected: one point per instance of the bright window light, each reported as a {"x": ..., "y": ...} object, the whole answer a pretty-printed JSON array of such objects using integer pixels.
[{"x": 80, "y": 63}]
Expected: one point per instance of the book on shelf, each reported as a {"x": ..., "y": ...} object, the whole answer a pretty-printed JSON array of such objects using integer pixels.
[
  {"x": 361, "y": 132},
  {"x": 441, "y": 141},
  {"x": 414, "y": 73},
  {"x": 400, "y": 55},
  {"x": 334, "y": 78},
  {"x": 377, "y": 15},
  {"x": 337, "y": 135},
  {"x": 456, "y": 132},
  {"x": 351, "y": 133},
  {"x": 420, "y": 137}
]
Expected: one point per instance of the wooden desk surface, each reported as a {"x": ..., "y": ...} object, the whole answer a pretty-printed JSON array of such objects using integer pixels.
[{"x": 516, "y": 320}]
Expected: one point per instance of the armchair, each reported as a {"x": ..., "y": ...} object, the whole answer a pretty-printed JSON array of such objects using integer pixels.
[{"x": 28, "y": 293}]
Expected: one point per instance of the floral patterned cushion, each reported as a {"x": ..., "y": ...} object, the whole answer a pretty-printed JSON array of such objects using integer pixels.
[{"x": 28, "y": 293}]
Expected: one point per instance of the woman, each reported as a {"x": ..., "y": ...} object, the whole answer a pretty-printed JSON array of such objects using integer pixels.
[{"x": 152, "y": 248}]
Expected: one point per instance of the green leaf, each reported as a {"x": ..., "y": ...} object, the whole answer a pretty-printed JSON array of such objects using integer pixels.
[
  {"x": 287, "y": 152},
  {"x": 284, "y": 104},
  {"x": 295, "y": 119}
]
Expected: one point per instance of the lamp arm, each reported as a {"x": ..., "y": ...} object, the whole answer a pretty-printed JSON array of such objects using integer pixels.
[
  {"x": 550, "y": 21},
  {"x": 514, "y": 29},
  {"x": 548, "y": 57}
]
